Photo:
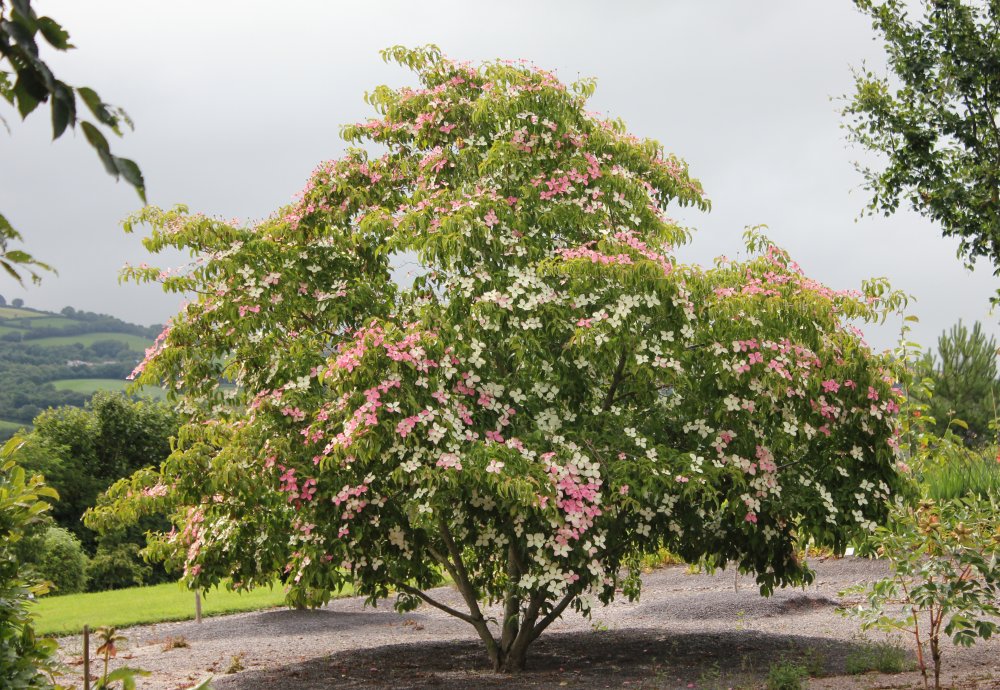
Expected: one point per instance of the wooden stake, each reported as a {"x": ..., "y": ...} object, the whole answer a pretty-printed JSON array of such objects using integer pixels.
[{"x": 86, "y": 657}]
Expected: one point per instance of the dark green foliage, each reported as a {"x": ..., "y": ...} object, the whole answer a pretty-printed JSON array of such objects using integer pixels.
[
  {"x": 61, "y": 561},
  {"x": 964, "y": 372},
  {"x": 787, "y": 676},
  {"x": 82, "y": 452},
  {"x": 26, "y": 367},
  {"x": 935, "y": 120},
  {"x": 25, "y": 661},
  {"x": 26, "y": 82},
  {"x": 118, "y": 567},
  {"x": 972, "y": 474}
]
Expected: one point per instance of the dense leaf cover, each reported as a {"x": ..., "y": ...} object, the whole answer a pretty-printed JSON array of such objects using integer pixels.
[
  {"x": 936, "y": 119},
  {"x": 26, "y": 661},
  {"x": 553, "y": 396}
]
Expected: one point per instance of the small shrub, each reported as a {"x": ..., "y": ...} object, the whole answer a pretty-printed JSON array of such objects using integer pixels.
[
  {"x": 883, "y": 657},
  {"x": 117, "y": 567},
  {"x": 813, "y": 661},
  {"x": 659, "y": 559},
  {"x": 235, "y": 664},
  {"x": 175, "y": 643},
  {"x": 62, "y": 561},
  {"x": 787, "y": 676}
]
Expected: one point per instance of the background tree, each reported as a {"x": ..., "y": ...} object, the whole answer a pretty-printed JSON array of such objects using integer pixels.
[
  {"x": 936, "y": 120},
  {"x": 83, "y": 451},
  {"x": 552, "y": 398},
  {"x": 27, "y": 82},
  {"x": 964, "y": 371}
]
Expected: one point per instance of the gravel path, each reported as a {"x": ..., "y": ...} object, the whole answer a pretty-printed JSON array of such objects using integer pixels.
[{"x": 686, "y": 631}]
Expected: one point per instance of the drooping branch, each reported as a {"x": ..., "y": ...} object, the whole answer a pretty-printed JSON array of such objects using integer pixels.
[{"x": 433, "y": 602}]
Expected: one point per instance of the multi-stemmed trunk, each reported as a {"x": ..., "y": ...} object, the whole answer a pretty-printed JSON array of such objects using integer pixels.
[{"x": 523, "y": 617}]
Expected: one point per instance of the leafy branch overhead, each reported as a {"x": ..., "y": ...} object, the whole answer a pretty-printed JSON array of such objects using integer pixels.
[
  {"x": 936, "y": 119},
  {"x": 26, "y": 82}
]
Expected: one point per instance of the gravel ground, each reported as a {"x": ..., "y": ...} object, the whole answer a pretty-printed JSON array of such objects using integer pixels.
[{"x": 686, "y": 631}]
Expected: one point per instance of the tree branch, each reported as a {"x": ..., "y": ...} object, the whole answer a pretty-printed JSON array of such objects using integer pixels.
[
  {"x": 436, "y": 604},
  {"x": 616, "y": 380},
  {"x": 555, "y": 613}
]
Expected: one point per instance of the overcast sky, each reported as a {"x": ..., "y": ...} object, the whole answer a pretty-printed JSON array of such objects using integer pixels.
[{"x": 236, "y": 102}]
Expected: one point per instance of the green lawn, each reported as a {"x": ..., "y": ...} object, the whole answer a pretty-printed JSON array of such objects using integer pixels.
[
  {"x": 94, "y": 385},
  {"x": 67, "y": 614},
  {"x": 135, "y": 342}
]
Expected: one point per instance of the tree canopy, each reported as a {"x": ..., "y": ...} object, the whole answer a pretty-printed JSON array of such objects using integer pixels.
[
  {"x": 936, "y": 121},
  {"x": 27, "y": 82},
  {"x": 553, "y": 396}
]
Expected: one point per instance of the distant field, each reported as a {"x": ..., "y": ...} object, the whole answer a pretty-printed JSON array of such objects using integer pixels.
[
  {"x": 12, "y": 313},
  {"x": 66, "y": 615},
  {"x": 11, "y": 427},
  {"x": 50, "y": 322},
  {"x": 94, "y": 385},
  {"x": 9, "y": 329},
  {"x": 135, "y": 342}
]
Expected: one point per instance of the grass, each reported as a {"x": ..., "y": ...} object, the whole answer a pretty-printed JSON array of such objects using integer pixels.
[
  {"x": 883, "y": 657},
  {"x": 976, "y": 473},
  {"x": 787, "y": 676},
  {"x": 94, "y": 385},
  {"x": 48, "y": 322},
  {"x": 67, "y": 614},
  {"x": 135, "y": 342},
  {"x": 12, "y": 313},
  {"x": 12, "y": 426}
]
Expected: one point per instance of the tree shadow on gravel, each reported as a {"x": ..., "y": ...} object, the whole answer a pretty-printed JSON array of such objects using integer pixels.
[{"x": 651, "y": 658}]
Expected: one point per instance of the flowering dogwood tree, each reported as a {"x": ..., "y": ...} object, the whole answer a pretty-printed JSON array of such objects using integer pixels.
[{"x": 552, "y": 397}]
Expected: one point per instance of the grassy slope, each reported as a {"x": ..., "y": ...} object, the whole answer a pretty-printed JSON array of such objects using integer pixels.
[
  {"x": 93, "y": 385},
  {"x": 12, "y": 426},
  {"x": 47, "y": 322},
  {"x": 135, "y": 342},
  {"x": 67, "y": 614},
  {"x": 12, "y": 313}
]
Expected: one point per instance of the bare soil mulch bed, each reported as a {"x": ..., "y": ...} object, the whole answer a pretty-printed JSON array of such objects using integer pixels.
[{"x": 687, "y": 631}]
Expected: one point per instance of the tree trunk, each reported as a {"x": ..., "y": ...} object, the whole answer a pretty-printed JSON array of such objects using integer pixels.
[
  {"x": 514, "y": 662},
  {"x": 936, "y": 657}
]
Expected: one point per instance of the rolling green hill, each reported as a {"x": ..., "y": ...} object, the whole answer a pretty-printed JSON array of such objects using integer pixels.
[
  {"x": 91, "y": 386},
  {"x": 49, "y": 359}
]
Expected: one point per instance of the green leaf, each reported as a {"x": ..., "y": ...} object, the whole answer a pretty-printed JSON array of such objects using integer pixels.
[
  {"x": 130, "y": 171},
  {"x": 24, "y": 93},
  {"x": 22, "y": 32},
  {"x": 23, "y": 7},
  {"x": 57, "y": 36},
  {"x": 63, "y": 109},
  {"x": 97, "y": 106},
  {"x": 100, "y": 144}
]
